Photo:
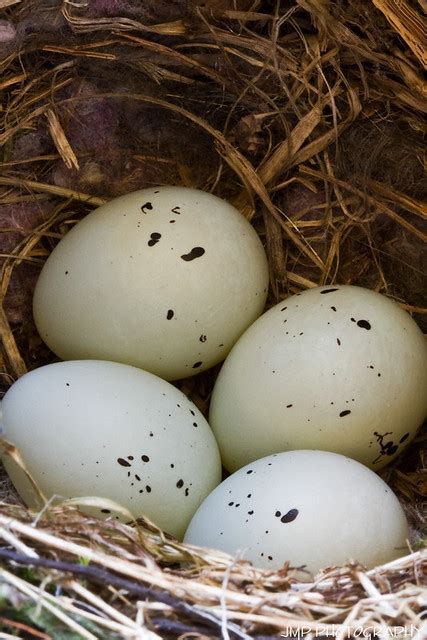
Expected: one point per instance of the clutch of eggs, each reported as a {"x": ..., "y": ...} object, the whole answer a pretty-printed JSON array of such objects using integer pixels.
[
  {"x": 94, "y": 428},
  {"x": 164, "y": 279},
  {"x": 308, "y": 508},
  {"x": 337, "y": 368}
]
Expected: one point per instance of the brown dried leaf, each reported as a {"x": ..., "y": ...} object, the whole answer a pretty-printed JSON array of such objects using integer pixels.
[
  {"x": 60, "y": 140},
  {"x": 408, "y": 24}
]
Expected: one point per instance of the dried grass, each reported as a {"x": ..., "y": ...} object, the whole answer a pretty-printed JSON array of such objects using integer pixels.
[
  {"x": 309, "y": 117},
  {"x": 137, "y": 583}
]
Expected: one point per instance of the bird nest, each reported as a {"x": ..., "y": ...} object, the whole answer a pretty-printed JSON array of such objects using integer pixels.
[{"x": 308, "y": 117}]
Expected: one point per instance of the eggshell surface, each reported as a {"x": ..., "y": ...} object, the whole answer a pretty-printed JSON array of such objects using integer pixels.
[
  {"x": 338, "y": 368},
  {"x": 165, "y": 279},
  {"x": 93, "y": 428},
  {"x": 308, "y": 508}
]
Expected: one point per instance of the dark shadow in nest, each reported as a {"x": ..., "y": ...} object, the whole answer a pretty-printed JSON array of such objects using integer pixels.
[{"x": 383, "y": 152}]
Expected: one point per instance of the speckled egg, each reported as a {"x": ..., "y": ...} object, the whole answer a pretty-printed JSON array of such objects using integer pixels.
[
  {"x": 308, "y": 508},
  {"x": 338, "y": 368},
  {"x": 165, "y": 279},
  {"x": 94, "y": 428}
]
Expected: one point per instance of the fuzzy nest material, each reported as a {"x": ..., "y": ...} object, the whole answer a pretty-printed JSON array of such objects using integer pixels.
[{"x": 308, "y": 116}]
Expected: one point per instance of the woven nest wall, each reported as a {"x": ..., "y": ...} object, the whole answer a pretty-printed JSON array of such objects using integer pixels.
[{"x": 309, "y": 117}]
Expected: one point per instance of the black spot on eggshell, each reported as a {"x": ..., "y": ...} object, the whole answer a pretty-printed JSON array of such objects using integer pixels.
[
  {"x": 129, "y": 457},
  {"x": 147, "y": 206},
  {"x": 250, "y": 471},
  {"x": 230, "y": 504},
  {"x": 187, "y": 491},
  {"x": 170, "y": 314},
  {"x": 180, "y": 483},
  {"x": 390, "y": 448},
  {"x": 344, "y": 413},
  {"x": 145, "y": 458},
  {"x": 105, "y": 510},
  {"x": 176, "y": 210},
  {"x": 364, "y": 324},
  {"x": 333, "y": 308},
  {"x": 196, "y": 252},
  {"x": 278, "y": 514},
  {"x": 154, "y": 238},
  {"x": 328, "y": 291},
  {"x": 288, "y": 406},
  {"x": 403, "y": 438},
  {"x": 386, "y": 449},
  {"x": 290, "y": 516},
  {"x": 202, "y": 338},
  {"x": 195, "y": 424},
  {"x": 123, "y": 462},
  {"x": 148, "y": 488},
  {"x": 338, "y": 342},
  {"x": 198, "y": 364},
  {"x": 66, "y": 273},
  {"x": 250, "y": 513}
]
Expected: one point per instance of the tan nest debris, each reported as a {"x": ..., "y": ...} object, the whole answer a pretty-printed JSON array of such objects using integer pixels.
[{"x": 136, "y": 583}]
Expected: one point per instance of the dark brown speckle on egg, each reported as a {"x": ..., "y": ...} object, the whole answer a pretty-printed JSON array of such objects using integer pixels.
[
  {"x": 196, "y": 252},
  {"x": 364, "y": 324},
  {"x": 147, "y": 206},
  {"x": 289, "y": 516},
  {"x": 154, "y": 239}
]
